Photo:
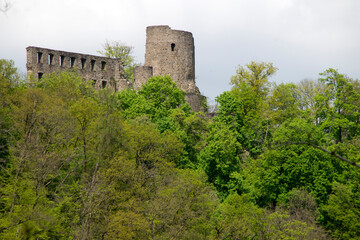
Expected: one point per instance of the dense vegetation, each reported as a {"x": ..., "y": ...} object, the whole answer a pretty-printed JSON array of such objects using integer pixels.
[{"x": 278, "y": 161}]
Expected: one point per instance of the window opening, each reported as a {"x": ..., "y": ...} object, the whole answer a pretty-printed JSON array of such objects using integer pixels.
[
  {"x": 40, "y": 75},
  {"x": 103, "y": 84},
  {"x": 83, "y": 60},
  {"x": 94, "y": 83},
  {"x": 172, "y": 46},
  {"x": 103, "y": 66},
  {"x": 50, "y": 58},
  {"x": 39, "y": 57},
  {"x": 92, "y": 65},
  {"x": 72, "y": 61},
  {"x": 62, "y": 58}
]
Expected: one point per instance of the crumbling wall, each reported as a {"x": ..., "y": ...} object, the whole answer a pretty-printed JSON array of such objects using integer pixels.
[
  {"x": 101, "y": 71},
  {"x": 141, "y": 75},
  {"x": 171, "y": 52},
  {"x": 168, "y": 52}
]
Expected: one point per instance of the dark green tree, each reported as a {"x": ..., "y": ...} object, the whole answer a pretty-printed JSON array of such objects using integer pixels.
[
  {"x": 341, "y": 214},
  {"x": 220, "y": 160}
]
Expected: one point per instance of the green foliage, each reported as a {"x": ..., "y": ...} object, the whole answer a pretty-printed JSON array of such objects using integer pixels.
[
  {"x": 284, "y": 103},
  {"x": 148, "y": 196},
  {"x": 230, "y": 110},
  {"x": 164, "y": 103},
  {"x": 341, "y": 213},
  {"x": 338, "y": 107},
  {"x": 255, "y": 77},
  {"x": 307, "y": 90},
  {"x": 80, "y": 163},
  {"x": 238, "y": 218},
  {"x": 127, "y": 225},
  {"x": 251, "y": 85},
  {"x": 162, "y": 94},
  {"x": 67, "y": 85},
  {"x": 9, "y": 81},
  {"x": 192, "y": 131},
  {"x": 124, "y": 54},
  {"x": 156, "y": 99},
  {"x": 220, "y": 160},
  {"x": 248, "y": 105},
  {"x": 295, "y": 166},
  {"x": 9, "y": 76}
]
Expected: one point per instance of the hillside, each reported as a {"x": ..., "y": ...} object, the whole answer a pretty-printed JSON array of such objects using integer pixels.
[{"x": 278, "y": 161}]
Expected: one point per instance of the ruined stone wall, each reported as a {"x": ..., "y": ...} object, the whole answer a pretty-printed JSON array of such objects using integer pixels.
[
  {"x": 171, "y": 52},
  {"x": 101, "y": 71},
  {"x": 141, "y": 75},
  {"x": 168, "y": 52}
]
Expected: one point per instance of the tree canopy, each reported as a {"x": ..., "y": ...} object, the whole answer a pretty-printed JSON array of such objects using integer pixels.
[{"x": 277, "y": 161}]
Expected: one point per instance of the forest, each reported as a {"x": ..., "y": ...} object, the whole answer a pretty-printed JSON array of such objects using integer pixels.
[{"x": 272, "y": 161}]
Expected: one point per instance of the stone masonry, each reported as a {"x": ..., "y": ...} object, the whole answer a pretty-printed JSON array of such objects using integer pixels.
[
  {"x": 101, "y": 71},
  {"x": 170, "y": 52}
]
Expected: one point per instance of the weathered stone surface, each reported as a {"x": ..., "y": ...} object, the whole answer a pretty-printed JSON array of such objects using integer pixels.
[
  {"x": 170, "y": 52},
  {"x": 101, "y": 71},
  {"x": 141, "y": 75}
]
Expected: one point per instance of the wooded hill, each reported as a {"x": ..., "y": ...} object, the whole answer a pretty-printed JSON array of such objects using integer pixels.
[{"x": 277, "y": 162}]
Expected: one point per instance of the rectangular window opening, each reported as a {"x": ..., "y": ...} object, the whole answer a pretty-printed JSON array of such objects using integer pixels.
[
  {"x": 83, "y": 61},
  {"x": 40, "y": 75},
  {"x": 92, "y": 65},
  {"x": 103, "y": 64},
  {"x": 62, "y": 59},
  {"x": 50, "y": 58},
  {"x": 93, "y": 83},
  {"x": 72, "y": 61},
  {"x": 39, "y": 57},
  {"x": 103, "y": 84}
]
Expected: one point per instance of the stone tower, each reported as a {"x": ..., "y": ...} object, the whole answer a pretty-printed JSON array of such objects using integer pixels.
[{"x": 170, "y": 52}]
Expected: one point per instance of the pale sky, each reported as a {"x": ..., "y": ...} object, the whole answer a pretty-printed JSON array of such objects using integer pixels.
[{"x": 301, "y": 37}]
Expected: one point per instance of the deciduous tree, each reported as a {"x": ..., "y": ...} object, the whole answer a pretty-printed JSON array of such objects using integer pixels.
[{"x": 124, "y": 53}]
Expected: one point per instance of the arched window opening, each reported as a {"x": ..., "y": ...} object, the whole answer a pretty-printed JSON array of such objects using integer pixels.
[{"x": 172, "y": 47}]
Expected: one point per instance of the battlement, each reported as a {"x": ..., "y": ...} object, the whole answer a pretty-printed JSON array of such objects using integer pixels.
[{"x": 101, "y": 71}]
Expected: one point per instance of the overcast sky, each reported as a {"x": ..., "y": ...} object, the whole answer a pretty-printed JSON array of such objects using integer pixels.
[{"x": 301, "y": 37}]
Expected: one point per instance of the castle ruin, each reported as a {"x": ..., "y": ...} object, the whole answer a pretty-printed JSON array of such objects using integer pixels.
[
  {"x": 101, "y": 71},
  {"x": 168, "y": 52}
]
